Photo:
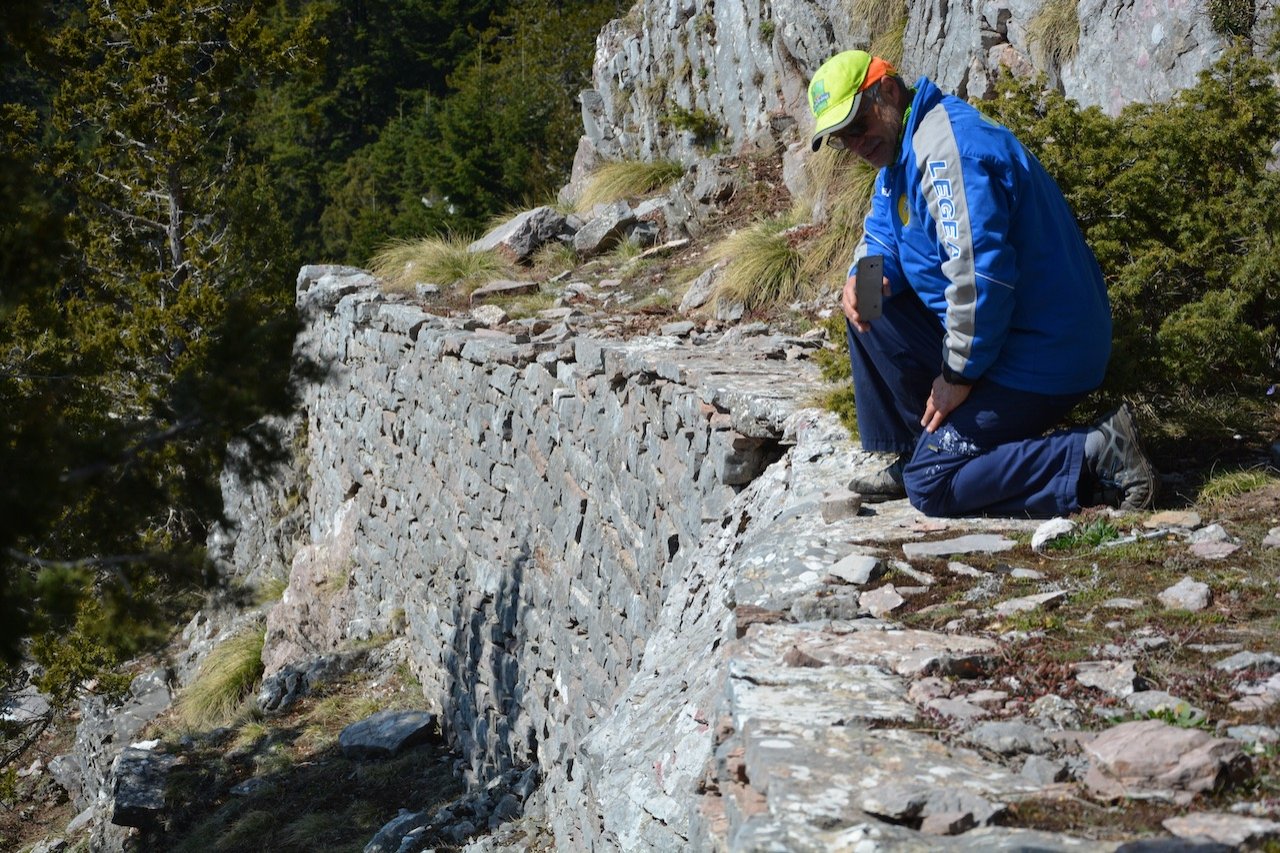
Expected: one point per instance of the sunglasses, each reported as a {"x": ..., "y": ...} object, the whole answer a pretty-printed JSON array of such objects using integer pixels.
[{"x": 842, "y": 139}]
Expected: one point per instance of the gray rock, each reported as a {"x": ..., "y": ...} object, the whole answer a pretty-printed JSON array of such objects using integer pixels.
[
  {"x": 1211, "y": 533},
  {"x": 1266, "y": 663},
  {"x": 702, "y": 289},
  {"x": 387, "y": 734},
  {"x": 678, "y": 329},
  {"x": 606, "y": 226},
  {"x": 1025, "y": 604},
  {"x": 857, "y": 569},
  {"x": 503, "y": 288},
  {"x": 964, "y": 570},
  {"x": 840, "y": 505},
  {"x": 1236, "y": 831},
  {"x": 1148, "y": 702},
  {"x": 1118, "y": 679},
  {"x": 979, "y": 543},
  {"x": 138, "y": 786},
  {"x": 518, "y": 238},
  {"x": 1186, "y": 594},
  {"x": 881, "y": 601},
  {"x": 1009, "y": 737},
  {"x": 392, "y": 834},
  {"x": 1272, "y": 539},
  {"x": 489, "y": 315},
  {"x": 1254, "y": 735},
  {"x": 1045, "y": 771},
  {"x": 1151, "y": 758},
  {"x": 1050, "y": 532}
]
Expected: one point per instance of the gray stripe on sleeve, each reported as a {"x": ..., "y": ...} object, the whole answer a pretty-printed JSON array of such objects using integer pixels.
[{"x": 942, "y": 181}]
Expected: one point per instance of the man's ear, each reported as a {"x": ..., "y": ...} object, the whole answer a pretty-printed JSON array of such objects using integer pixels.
[{"x": 896, "y": 92}]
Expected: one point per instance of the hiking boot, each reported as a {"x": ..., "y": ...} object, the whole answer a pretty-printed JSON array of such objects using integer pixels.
[
  {"x": 1120, "y": 470},
  {"x": 884, "y": 484}
]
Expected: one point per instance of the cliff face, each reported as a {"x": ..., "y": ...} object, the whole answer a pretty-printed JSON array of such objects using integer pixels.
[{"x": 675, "y": 73}]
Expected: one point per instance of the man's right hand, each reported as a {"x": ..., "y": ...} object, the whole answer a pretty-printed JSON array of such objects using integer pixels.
[{"x": 849, "y": 302}]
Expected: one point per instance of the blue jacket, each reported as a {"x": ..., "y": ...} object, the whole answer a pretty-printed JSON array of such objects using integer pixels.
[{"x": 969, "y": 219}]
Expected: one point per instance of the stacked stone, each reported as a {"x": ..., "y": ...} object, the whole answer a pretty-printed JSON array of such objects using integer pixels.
[{"x": 520, "y": 508}]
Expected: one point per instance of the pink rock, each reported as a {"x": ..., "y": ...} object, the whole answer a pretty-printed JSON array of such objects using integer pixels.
[{"x": 1150, "y": 758}]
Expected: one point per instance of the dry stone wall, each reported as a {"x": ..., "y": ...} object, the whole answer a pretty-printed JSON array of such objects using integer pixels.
[
  {"x": 521, "y": 511},
  {"x": 616, "y": 563}
]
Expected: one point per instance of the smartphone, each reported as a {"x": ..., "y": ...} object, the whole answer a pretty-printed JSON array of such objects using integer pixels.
[{"x": 869, "y": 287}]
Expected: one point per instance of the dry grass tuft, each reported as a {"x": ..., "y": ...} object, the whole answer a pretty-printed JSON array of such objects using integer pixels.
[
  {"x": 1055, "y": 30},
  {"x": 627, "y": 179},
  {"x": 842, "y": 184},
  {"x": 435, "y": 260},
  {"x": 227, "y": 678},
  {"x": 1224, "y": 485},
  {"x": 763, "y": 265}
]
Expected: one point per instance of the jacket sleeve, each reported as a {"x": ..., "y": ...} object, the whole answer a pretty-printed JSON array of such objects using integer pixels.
[
  {"x": 878, "y": 236},
  {"x": 969, "y": 199}
]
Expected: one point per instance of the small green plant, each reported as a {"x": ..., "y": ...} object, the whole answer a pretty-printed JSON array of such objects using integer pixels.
[
  {"x": 1221, "y": 486},
  {"x": 434, "y": 260},
  {"x": 1091, "y": 535},
  {"x": 628, "y": 179},
  {"x": 698, "y": 122},
  {"x": 767, "y": 30},
  {"x": 1055, "y": 30},
  {"x": 1182, "y": 715},
  {"x": 228, "y": 676}
]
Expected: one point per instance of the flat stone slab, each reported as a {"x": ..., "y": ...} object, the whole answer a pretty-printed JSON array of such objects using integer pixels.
[
  {"x": 974, "y": 543},
  {"x": 387, "y": 734},
  {"x": 503, "y": 288},
  {"x": 138, "y": 788}
]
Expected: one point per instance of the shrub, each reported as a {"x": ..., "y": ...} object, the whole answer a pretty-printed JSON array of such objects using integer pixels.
[
  {"x": 1231, "y": 17},
  {"x": 627, "y": 179},
  {"x": 435, "y": 260},
  {"x": 1174, "y": 199}
]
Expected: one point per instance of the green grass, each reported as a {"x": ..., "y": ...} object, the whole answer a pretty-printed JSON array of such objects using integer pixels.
[
  {"x": 1056, "y": 31},
  {"x": 227, "y": 678},
  {"x": 1224, "y": 485},
  {"x": 627, "y": 179},
  {"x": 435, "y": 260}
]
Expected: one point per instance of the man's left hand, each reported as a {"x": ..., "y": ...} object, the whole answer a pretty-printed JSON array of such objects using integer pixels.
[{"x": 944, "y": 398}]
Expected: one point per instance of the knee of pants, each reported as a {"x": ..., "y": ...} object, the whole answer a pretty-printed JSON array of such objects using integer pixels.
[{"x": 928, "y": 480}]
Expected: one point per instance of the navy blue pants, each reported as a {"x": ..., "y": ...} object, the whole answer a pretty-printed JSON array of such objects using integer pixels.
[{"x": 992, "y": 455}]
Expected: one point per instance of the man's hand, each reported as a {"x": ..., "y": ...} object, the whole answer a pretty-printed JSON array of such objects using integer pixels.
[
  {"x": 849, "y": 301},
  {"x": 944, "y": 399}
]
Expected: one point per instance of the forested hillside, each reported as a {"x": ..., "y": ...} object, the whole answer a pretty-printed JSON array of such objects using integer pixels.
[{"x": 166, "y": 166}]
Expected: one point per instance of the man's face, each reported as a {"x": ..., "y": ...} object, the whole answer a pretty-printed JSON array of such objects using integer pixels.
[{"x": 873, "y": 134}]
